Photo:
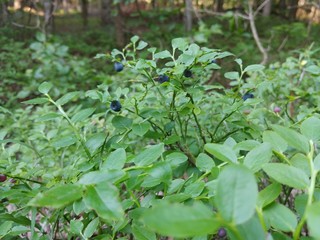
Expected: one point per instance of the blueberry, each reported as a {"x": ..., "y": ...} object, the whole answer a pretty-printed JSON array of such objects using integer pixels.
[
  {"x": 187, "y": 73},
  {"x": 222, "y": 232},
  {"x": 247, "y": 95},
  {"x": 115, "y": 105},
  {"x": 277, "y": 109},
  {"x": 162, "y": 78},
  {"x": 213, "y": 61},
  {"x": 118, "y": 66},
  {"x": 3, "y": 177}
]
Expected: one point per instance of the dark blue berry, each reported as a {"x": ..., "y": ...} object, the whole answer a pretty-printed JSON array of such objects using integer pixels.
[
  {"x": 162, "y": 78},
  {"x": 118, "y": 66},
  {"x": 213, "y": 61},
  {"x": 187, "y": 73},
  {"x": 222, "y": 232},
  {"x": 115, "y": 105},
  {"x": 247, "y": 95}
]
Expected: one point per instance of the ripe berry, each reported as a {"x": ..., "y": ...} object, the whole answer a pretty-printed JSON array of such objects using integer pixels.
[
  {"x": 187, "y": 73},
  {"x": 247, "y": 95},
  {"x": 277, "y": 109},
  {"x": 118, "y": 66},
  {"x": 222, "y": 232},
  {"x": 162, "y": 78},
  {"x": 3, "y": 177},
  {"x": 213, "y": 61},
  {"x": 115, "y": 105}
]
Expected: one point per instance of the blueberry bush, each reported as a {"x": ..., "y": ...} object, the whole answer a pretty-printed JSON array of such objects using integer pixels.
[{"x": 161, "y": 150}]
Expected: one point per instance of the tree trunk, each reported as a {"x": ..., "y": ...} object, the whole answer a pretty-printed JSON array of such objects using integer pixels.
[
  {"x": 4, "y": 14},
  {"x": 188, "y": 15},
  {"x": 65, "y": 6},
  {"x": 48, "y": 15},
  {"x": 84, "y": 12},
  {"x": 293, "y": 9},
  {"x": 267, "y": 9},
  {"x": 119, "y": 28},
  {"x": 106, "y": 6},
  {"x": 282, "y": 7},
  {"x": 219, "y": 5}
]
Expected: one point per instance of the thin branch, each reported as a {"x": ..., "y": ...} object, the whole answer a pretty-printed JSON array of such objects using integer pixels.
[
  {"x": 260, "y": 7},
  {"x": 256, "y": 36}
]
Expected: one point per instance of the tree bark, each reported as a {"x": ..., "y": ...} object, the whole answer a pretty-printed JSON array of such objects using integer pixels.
[
  {"x": 219, "y": 5},
  {"x": 282, "y": 7},
  {"x": 48, "y": 15},
  {"x": 4, "y": 14},
  {"x": 267, "y": 9},
  {"x": 106, "y": 6},
  {"x": 84, "y": 12},
  {"x": 188, "y": 15},
  {"x": 119, "y": 28},
  {"x": 293, "y": 9}
]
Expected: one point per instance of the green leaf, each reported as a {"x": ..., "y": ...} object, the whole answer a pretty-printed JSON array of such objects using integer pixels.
[
  {"x": 251, "y": 229},
  {"x": 258, "y": 156},
  {"x": 246, "y": 145},
  {"x": 141, "y": 128},
  {"x": 103, "y": 198},
  {"x": 221, "y": 152},
  {"x": 67, "y": 98},
  {"x": 163, "y": 54},
  {"x": 175, "y": 185},
  {"x": 204, "y": 162},
  {"x": 40, "y": 36},
  {"x": 277, "y": 142},
  {"x": 5, "y": 228},
  {"x": 232, "y": 75},
  {"x": 121, "y": 123},
  {"x": 91, "y": 228},
  {"x": 280, "y": 217},
  {"x": 48, "y": 117},
  {"x": 313, "y": 219},
  {"x": 96, "y": 177},
  {"x": 300, "y": 204},
  {"x": 293, "y": 138},
  {"x": 236, "y": 194},
  {"x": 308, "y": 128},
  {"x": 316, "y": 163},
  {"x": 313, "y": 69},
  {"x": 115, "y": 160},
  {"x": 45, "y": 87},
  {"x": 149, "y": 155},
  {"x": 186, "y": 59},
  {"x": 57, "y": 197},
  {"x": 76, "y": 226},
  {"x": 194, "y": 189},
  {"x": 95, "y": 141},
  {"x": 142, "y": 45},
  {"x": 179, "y": 43},
  {"x": 253, "y": 68},
  {"x": 64, "y": 141},
  {"x": 268, "y": 195},
  {"x": 100, "y": 55},
  {"x": 160, "y": 172},
  {"x": 82, "y": 115},
  {"x": 134, "y": 39},
  {"x": 142, "y": 233},
  {"x": 36, "y": 101},
  {"x": 287, "y": 175},
  {"x": 181, "y": 221},
  {"x": 176, "y": 158}
]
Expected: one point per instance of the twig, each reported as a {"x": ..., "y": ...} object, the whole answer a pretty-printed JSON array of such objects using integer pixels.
[
  {"x": 260, "y": 7},
  {"x": 256, "y": 36}
]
